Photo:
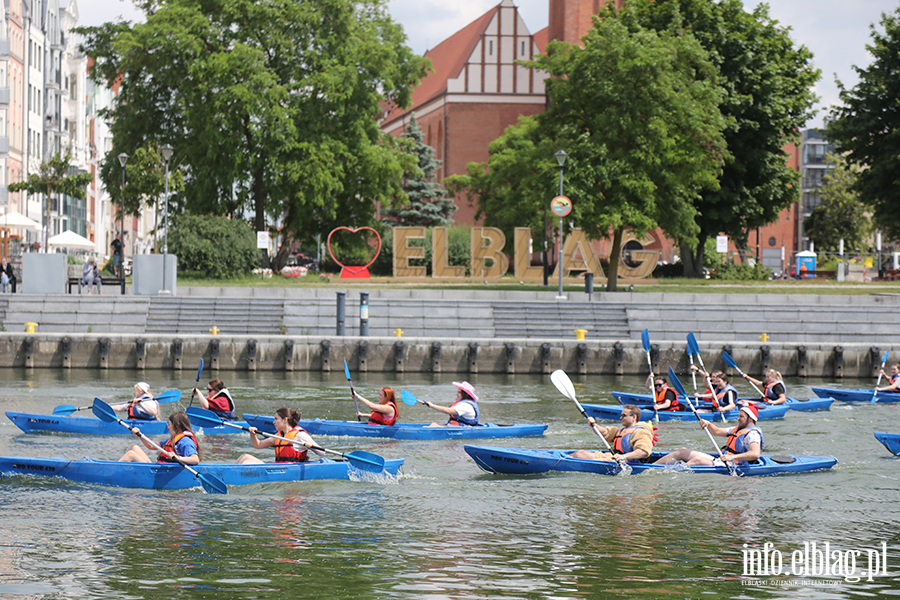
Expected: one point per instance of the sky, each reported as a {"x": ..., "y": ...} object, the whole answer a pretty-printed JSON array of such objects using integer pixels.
[{"x": 836, "y": 31}]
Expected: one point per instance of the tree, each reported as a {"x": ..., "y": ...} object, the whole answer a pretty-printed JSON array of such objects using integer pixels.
[
  {"x": 428, "y": 203},
  {"x": 841, "y": 214},
  {"x": 53, "y": 176},
  {"x": 865, "y": 129},
  {"x": 271, "y": 107},
  {"x": 767, "y": 85}
]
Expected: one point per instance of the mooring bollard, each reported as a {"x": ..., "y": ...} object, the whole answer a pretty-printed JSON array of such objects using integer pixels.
[{"x": 579, "y": 333}]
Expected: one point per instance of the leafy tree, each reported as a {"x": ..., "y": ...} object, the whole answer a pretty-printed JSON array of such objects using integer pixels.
[
  {"x": 767, "y": 82},
  {"x": 271, "y": 107},
  {"x": 214, "y": 247},
  {"x": 53, "y": 176},
  {"x": 428, "y": 205},
  {"x": 865, "y": 129},
  {"x": 841, "y": 213}
]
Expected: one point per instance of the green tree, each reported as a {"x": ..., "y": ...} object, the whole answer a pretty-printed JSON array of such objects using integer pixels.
[
  {"x": 841, "y": 213},
  {"x": 428, "y": 203},
  {"x": 53, "y": 176},
  {"x": 865, "y": 129},
  {"x": 214, "y": 247},
  {"x": 271, "y": 107},
  {"x": 767, "y": 84}
]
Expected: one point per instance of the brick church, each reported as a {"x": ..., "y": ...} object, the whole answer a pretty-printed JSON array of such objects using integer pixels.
[{"x": 476, "y": 90}]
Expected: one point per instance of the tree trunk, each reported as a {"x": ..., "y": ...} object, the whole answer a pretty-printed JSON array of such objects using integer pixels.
[
  {"x": 614, "y": 252},
  {"x": 687, "y": 261}
]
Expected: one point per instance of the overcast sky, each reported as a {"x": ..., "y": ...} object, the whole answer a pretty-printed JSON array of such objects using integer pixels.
[{"x": 836, "y": 31}]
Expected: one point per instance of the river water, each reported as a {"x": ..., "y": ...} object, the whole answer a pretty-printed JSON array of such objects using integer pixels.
[{"x": 444, "y": 529}]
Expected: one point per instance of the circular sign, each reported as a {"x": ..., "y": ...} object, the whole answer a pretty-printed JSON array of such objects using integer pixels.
[{"x": 561, "y": 206}]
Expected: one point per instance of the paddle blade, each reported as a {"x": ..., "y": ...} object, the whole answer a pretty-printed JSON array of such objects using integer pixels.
[
  {"x": 676, "y": 383},
  {"x": 169, "y": 396},
  {"x": 645, "y": 340},
  {"x": 104, "y": 411},
  {"x": 64, "y": 410},
  {"x": 693, "y": 346},
  {"x": 212, "y": 484},
  {"x": 885, "y": 357},
  {"x": 346, "y": 370},
  {"x": 563, "y": 383},
  {"x": 408, "y": 397},
  {"x": 200, "y": 370},
  {"x": 201, "y": 415},
  {"x": 365, "y": 461},
  {"x": 728, "y": 360}
]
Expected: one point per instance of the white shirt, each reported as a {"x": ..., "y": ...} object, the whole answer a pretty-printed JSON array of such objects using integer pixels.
[{"x": 465, "y": 410}]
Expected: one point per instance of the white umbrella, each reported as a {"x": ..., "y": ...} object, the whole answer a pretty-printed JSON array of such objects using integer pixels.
[
  {"x": 14, "y": 219},
  {"x": 70, "y": 239}
]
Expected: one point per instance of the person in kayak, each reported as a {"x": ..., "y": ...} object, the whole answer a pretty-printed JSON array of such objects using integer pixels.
[
  {"x": 218, "y": 399},
  {"x": 725, "y": 397},
  {"x": 181, "y": 443},
  {"x": 633, "y": 441},
  {"x": 774, "y": 391},
  {"x": 383, "y": 413},
  {"x": 666, "y": 397},
  {"x": 286, "y": 425},
  {"x": 142, "y": 406},
  {"x": 464, "y": 410},
  {"x": 894, "y": 385},
  {"x": 744, "y": 445}
]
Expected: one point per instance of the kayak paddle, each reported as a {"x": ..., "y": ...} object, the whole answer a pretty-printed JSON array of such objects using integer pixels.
[
  {"x": 694, "y": 348},
  {"x": 645, "y": 341},
  {"x": 210, "y": 483},
  {"x": 883, "y": 360},
  {"x": 352, "y": 393},
  {"x": 730, "y": 362},
  {"x": 674, "y": 379},
  {"x": 194, "y": 393},
  {"x": 364, "y": 461},
  {"x": 409, "y": 398},
  {"x": 164, "y": 398}
]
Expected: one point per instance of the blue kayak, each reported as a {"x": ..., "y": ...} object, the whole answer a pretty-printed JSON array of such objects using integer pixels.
[
  {"x": 857, "y": 395},
  {"x": 612, "y": 412},
  {"x": 37, "y": 423},
  {"x": 402, "y": 431},
  {"x": 526, "y": 461},
  {"x": 891, "y": 441},
  {"x": 792, "y": 403},
  {"x": 169, "y": 476}
]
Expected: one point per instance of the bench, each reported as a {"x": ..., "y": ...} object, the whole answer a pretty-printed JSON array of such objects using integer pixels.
[
  {"x": 891, "y": 275},
  {"x": 106, "y": 281}
]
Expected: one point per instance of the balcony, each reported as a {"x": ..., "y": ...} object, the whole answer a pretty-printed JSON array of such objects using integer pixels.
[
  {"x": 4, "y": 97},
  {"x": 53, "y": 81}
]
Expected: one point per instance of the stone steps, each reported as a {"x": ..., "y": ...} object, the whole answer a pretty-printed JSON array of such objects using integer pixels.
[{"x": 257, "y": 316}]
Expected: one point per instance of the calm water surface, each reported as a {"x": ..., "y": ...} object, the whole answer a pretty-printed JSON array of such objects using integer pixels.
[{"x": 444, "y": 529}]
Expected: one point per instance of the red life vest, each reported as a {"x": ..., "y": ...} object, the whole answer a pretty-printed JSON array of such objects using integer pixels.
[
  {"x": 377, "y": 418},
  {"x": 285, "y": 451},
  {"x": 169, "y": 446},
  {"x": 661, "y": 398},
  {"x": 222, "y": 403}
]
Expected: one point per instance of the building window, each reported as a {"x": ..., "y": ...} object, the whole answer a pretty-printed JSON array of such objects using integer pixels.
[
  {"x": 491, "y": 47},
  {"x": 523, "y": 48}
]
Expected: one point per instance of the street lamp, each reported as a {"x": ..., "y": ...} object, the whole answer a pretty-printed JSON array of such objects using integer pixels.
[
  {"x": 123, "y": 158},
  {"x": 561, "y": 159},
  {"x": 167, "y": 154}
]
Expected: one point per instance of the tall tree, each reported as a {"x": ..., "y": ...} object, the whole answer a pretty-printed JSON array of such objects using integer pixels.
[
  {"x": 866, "y": 127},
  {"x": 767, "y": 81},
  {"x": 841, "y": 214},
  {"x": 53, "y": 176},
  {"x": 271, "y": 107},
  {"x": 428, "y": 204}
]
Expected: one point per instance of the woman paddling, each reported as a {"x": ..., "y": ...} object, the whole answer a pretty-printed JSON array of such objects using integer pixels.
[
  {"x": 218, "y": 399},
  {"x": 383, "y": 413},
  {"x": 142, "y": 406},
  {"x": 464, "y": 410},
  {"x": 181, "y": 443},
  {"x": 774, "y": 391},
  {"x": 286, "y": 425},
  {"x": 725, "y": 397}
]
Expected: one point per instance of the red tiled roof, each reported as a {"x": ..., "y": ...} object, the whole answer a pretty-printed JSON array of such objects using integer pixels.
[{"x": 542, "y": 38}]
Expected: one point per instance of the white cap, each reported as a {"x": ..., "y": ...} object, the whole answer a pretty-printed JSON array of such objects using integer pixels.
[{"x": 143, "y": 386}]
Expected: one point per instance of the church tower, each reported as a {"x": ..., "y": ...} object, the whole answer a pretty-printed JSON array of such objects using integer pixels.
[{"x": 571, "y": 19}]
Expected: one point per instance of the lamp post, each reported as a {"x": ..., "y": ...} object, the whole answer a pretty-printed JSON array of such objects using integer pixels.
[
  {"x": 123, "y": 158},
  {"x": 167, "y": 154},
  {"x": 561, "y": 159}
]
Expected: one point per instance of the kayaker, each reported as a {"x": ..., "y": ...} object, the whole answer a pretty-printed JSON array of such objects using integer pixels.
[
  {"x": 666, "y": 397},
  {"x": 745, "y": 442},
  {"x": 383, "y": 413},
  {"x": 142, "y": 406},
  {"x": 725, "y": 397},
  {"x": 218, "y": 399},
  {"x": 774, "y": 391},
  {"x": 633, "y": 441},
  {"x": 895, "y": 379},
  {"x": 464, "y": 410},
  {"x": 286, "y": 426},
  {"x": 181, "y": 442}
]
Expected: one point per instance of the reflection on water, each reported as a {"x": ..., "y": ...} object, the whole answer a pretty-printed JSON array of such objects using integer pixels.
[{"x": 443, "y": 529}]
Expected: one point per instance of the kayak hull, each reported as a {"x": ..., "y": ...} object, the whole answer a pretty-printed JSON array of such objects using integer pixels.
[
  {"x": 169, "y": 476},
  {"x": 823, "y": 403},
  {"x": 522, "y": 461},
  {"x": 402, "y": 431},
  {"x": 612, "y": 412},
  {"x": 37, "y": 423},
  {"x": 856, "y": 395},
  {"x": 891, "y": 441}
]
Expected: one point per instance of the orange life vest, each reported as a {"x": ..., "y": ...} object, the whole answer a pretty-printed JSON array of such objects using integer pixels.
[
  {"x": 661, "y": 398},
  {"x": 285, "y": 451},
  {"x": 169, "y": 446}
]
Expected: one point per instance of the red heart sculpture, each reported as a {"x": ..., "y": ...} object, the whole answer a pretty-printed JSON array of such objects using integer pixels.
[{"x": 350, "y": 272}]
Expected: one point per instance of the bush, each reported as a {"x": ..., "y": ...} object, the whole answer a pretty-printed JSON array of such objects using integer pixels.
[
  {"x": 742, "y": 272},
  {"x": 214, "y": 247}
]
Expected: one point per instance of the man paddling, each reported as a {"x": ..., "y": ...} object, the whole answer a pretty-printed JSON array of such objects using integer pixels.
[
  {"x": 745, "y": 443},
  {"x": 895, "y": 379},
  {"x": 633, "y": 441}
]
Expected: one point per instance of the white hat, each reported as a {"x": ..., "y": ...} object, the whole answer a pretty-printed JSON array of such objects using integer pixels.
[{"x": 143, "y": 386}]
